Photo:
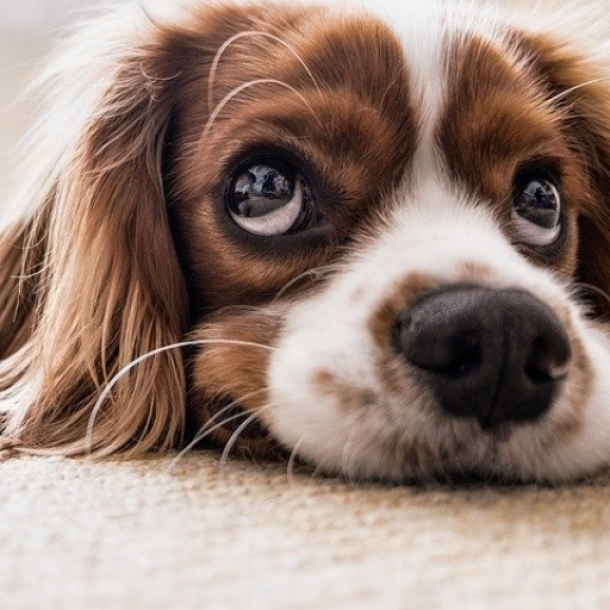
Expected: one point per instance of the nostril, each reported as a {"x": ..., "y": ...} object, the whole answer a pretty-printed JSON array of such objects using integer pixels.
[
  {"x": 436, "y": 347},
  {"x": 549, "y": 359}
]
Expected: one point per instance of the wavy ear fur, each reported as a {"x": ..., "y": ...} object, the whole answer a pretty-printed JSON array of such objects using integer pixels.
[
  {"x": 16, "y": 294},
  {"x": 571, "y": 54},
  {"x": 90, "y": 280},
  {"x": 586, "y": 89}
]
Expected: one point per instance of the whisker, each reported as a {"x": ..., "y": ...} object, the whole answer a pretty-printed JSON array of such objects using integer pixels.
[
  {"x": 262, "y": 81},
  {"x": 211, "y": 426},
  {"x": 563, "y": 94},
  {"x": 351, "y": 449},
  {"x": 252, "y": 33},
  {"x": 128, "y": 368},
  {"x": 591, "y": 288},
  {"x": 235, "y": 436},
  {"x": 202, "y": 436},
  {"x": 317, "y": 273},
  {"x": 292, "y": 460}
]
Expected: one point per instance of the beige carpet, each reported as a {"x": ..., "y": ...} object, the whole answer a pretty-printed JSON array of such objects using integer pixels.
[
  {"x": 132, "y": 535},
  {"x": 76, "y": 535}
]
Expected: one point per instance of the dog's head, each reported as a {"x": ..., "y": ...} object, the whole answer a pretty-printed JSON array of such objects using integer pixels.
[{"x": 375, "y": 227}]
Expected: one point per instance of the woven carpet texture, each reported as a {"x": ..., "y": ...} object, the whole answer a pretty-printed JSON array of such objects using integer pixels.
[{"x": 148, "y": 535}]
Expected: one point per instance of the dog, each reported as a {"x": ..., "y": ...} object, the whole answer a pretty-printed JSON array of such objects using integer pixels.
[{"x": 372, "y": 236}]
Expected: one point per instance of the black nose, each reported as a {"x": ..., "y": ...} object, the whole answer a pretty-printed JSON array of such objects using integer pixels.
[{"x": 495, "y": 355}]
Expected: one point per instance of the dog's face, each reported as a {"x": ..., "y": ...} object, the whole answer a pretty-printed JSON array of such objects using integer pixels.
[
  {"x": 381, "y": 220},
  {"x": 425, "y": 182}
]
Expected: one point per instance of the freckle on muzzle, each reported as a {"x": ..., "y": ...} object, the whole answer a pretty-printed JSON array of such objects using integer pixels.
[{"x": 498, "y": 356}]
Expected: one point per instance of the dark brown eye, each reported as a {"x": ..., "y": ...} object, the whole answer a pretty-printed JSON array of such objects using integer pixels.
[
  {"x": 537, "y": 211},
  {"x": 268, "y": 197}
]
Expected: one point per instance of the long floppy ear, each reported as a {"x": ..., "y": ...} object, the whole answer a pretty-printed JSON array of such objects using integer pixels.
[
  {"x": 593, "y": 110},
  {"x": 576, "y": 69},
  {"x": 16, "y": 293},
  {"x": 90, "y": 280}
]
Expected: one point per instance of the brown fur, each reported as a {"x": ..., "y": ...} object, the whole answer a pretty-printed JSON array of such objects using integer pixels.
[
  {"x": 106, "y": 296},
  {"x": 234, "y": 373},
  {"x": 337, "y": 115},
  {"x": 108, "y": 285},
  {"x": 21, "y": 250},
  {"x": 499, "y": 122},
  {"x": 349, "y": 398},
  {"x": 413, "y": 287}
]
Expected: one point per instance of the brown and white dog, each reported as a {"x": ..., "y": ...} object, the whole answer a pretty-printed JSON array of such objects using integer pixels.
[{"x": 379, "y": 232}]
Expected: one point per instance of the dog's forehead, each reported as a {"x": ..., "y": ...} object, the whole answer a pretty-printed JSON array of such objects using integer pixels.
[
  {"x": 475, "y": 106},
  {"x": 453, "y": 67},
  {"x": 415, "y": 63},
  {"x": 479, "y": 108}
]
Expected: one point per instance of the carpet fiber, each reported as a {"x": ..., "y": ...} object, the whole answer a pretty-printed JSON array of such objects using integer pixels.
[{"x": 77, "y": 535}]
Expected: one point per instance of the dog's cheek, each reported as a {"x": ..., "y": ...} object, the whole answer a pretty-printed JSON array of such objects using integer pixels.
[{"x": 228, "y": 389}]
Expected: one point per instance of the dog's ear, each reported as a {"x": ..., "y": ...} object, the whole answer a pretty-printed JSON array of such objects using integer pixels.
[
  {"x": 16, "y": 294},
  {"x": 91, "y": 280},
  {"x": 578, "y": 82},
  {"x": 591, "y": 112}
]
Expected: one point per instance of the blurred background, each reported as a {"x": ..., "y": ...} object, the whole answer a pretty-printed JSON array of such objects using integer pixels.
[{"x": 28, "y": 29}]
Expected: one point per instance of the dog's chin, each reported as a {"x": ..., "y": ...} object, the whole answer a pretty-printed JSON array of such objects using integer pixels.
[
  {"x": 462, "y": 455},
  {"x": 473, "y": 458}
]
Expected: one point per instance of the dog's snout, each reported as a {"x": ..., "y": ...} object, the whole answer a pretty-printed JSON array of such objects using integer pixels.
[{"x": 495, "y": 355}]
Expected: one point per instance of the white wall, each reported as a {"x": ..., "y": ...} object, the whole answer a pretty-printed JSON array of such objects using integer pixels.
[
  {"x": 27, "y": 31},
  {"x": 38, "y": 16}
]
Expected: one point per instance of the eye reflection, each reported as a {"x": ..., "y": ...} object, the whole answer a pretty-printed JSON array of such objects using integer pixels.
[
  {"x": 537, "y": 212},
  {"x": 269, "y": 198}
]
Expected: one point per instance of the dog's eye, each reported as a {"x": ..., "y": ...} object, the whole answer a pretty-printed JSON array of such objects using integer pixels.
[
  {"x": 269, "y": 198},
  {"x": 537, "y": 211}
]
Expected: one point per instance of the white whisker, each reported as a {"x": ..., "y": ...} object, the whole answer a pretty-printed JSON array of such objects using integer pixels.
[
  {"x": 316, "y": 274},
  {"x": 239, "y": 36},
  {"x": 291, "y": 461},
  {"x": 211, "y": 426},
  {"x": 595, "y": 289},
  {"x": 127, "y": 369},
  {"x": 263, "y": 81},
  {"x": 235, "y": 436},
  {"x": 563, "y": 94}
]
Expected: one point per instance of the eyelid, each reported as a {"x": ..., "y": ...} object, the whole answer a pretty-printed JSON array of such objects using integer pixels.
[{"x": 539, "y": 167}]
